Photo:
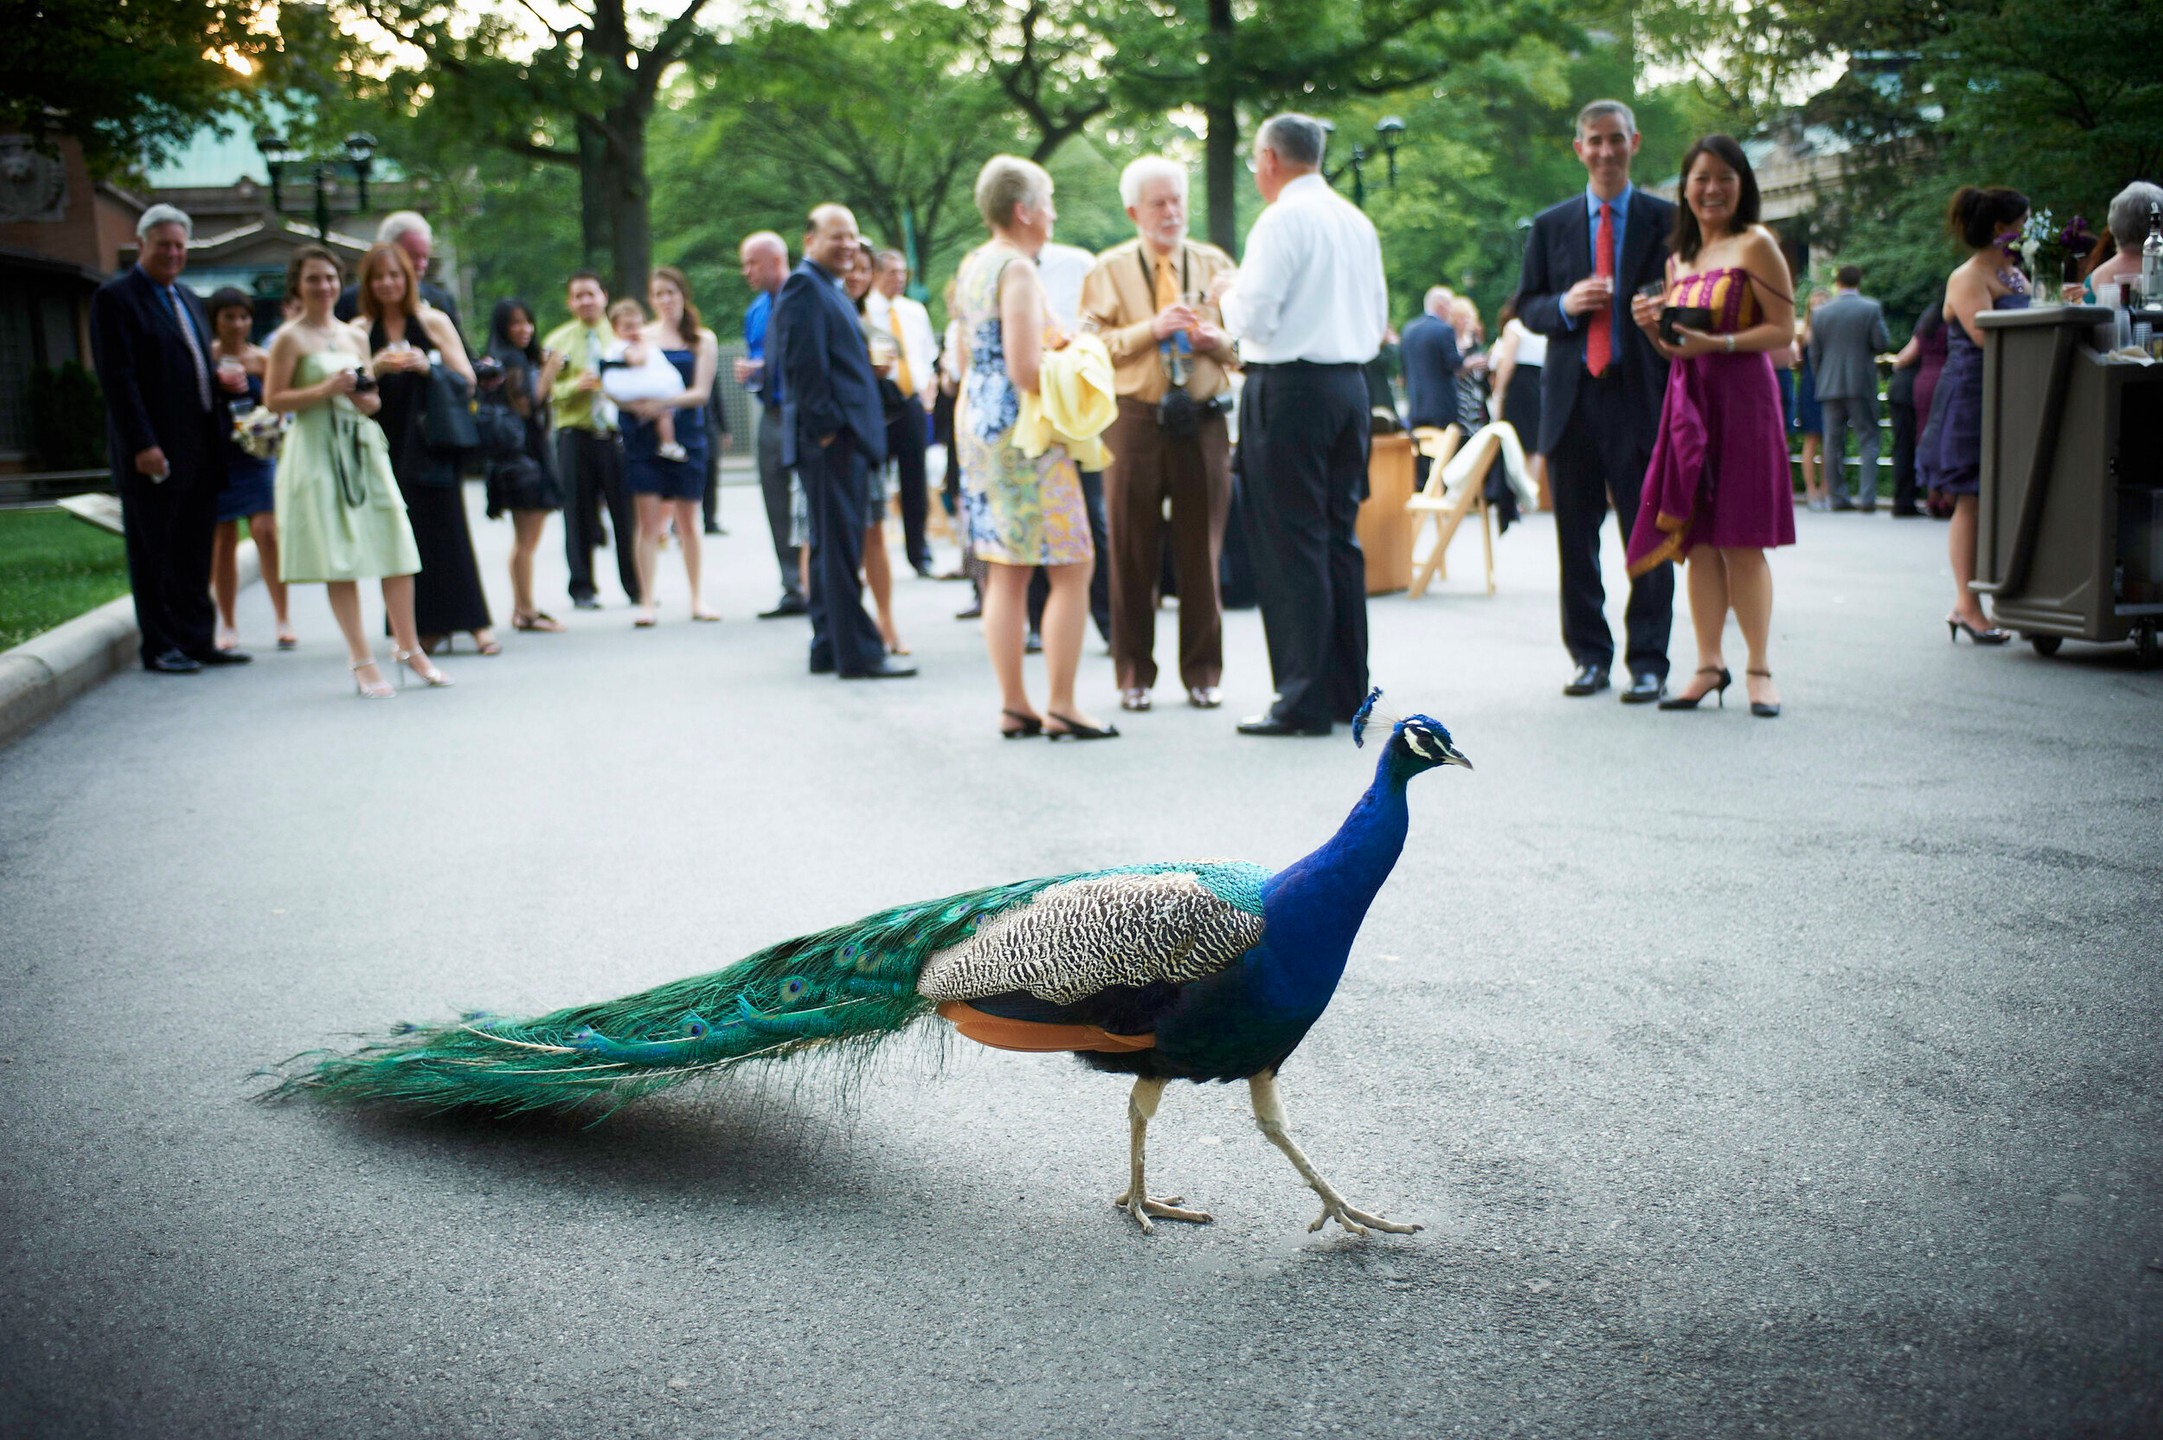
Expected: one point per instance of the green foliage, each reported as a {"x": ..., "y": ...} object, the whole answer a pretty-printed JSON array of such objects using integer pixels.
[
  {"x": 67, "y": 417},
  {"x": 53, "y": 567},
  {"x": 129, "y": 79}
]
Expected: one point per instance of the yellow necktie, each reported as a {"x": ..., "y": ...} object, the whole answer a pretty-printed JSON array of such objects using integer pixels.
[
  {"x": 901, "y": 356},
  {"x": 1167, "y": 284}
]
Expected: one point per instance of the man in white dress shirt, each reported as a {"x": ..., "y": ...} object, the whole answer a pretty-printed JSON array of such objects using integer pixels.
[
  {"x": 1309, "y": 307},
  {"x": 916, "y": 371}
]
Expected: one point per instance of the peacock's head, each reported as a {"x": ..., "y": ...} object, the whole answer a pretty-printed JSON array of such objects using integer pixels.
[{"x": 1416, "y": 742}]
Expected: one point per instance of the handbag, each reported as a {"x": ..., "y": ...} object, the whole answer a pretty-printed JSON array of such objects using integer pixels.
[
  {"x": 501, "y": 431},
  {"x": 448, "y": 426}
]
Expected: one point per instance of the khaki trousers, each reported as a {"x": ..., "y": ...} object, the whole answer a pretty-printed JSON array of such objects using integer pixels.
[{"x": 1195, "y": 476}]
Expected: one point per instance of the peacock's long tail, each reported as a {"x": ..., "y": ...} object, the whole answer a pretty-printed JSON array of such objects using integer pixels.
[{"x": 850, "y": 987}]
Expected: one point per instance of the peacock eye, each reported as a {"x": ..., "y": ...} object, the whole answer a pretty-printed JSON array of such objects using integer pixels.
[{"x": 793, "y": 988}]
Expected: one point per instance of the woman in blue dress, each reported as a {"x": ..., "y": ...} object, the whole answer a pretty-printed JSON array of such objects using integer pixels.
[
  {"x": 669, "y": 491},
  {"x": 1986, "y": 221},
  {"x": 1807, "y": 418},
  {"x": 247, "y": 492}
]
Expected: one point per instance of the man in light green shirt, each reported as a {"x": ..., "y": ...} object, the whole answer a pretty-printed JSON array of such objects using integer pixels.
[{"x": 588, "y": 452}]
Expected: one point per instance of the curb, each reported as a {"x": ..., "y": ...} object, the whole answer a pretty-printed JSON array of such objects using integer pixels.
[{"x": 40, "y": 676}]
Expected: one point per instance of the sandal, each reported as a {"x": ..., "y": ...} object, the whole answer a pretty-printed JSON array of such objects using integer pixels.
[
  {"x": 706, "y": 617},
  {"x": 1763, "y": 709},
  {"x": 1029, "y": 727},
  {"x": 487, "y": 644},
  {"x": 414, "y": 660},
  {"x": 1076, "y": 730},
  {"x": 537, "y": 620}
]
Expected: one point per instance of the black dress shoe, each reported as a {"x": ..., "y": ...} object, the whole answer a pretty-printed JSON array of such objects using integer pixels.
[
  {"x": 224, "y": 657},
  {"x": 1034, "y": 645},
  {"x": 1911, "y": 513},
  {"x": 585, "y": 602},
  {"x": 974, "y": 612},
  {"x": 790, "y": 605},
  {"x": 1271, "y": 725},
  {"x": 821, "y": 667},
  {"x": 888, "y": 669},
  {"x": 1644, "y": 689},
  {"x": 173, "y": 662},
  {"x": 1589, "y": 680},
  {"x": 1841, "y": 502},
  {"x": 713, "y": 529}
]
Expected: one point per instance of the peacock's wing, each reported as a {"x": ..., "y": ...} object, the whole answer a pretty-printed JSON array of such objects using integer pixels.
[{"x": 1135, "y": 928}]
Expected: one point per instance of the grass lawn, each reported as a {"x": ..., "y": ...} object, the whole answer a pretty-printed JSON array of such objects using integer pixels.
[{"x": 53, "y": 567}]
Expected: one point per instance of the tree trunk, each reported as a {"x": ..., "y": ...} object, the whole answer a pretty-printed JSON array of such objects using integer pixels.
[
  {"x": 630, "y": 218},
  {"x": 1221, "y": 107},
  {"x": 595, "y": 233}
]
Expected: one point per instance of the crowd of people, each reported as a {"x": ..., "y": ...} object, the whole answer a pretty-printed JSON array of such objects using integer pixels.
[{"x": 1650, "y": 364}]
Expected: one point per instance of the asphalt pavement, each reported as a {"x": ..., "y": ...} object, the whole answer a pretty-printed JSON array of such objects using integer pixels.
[{"x": 1790, "y": 1078}]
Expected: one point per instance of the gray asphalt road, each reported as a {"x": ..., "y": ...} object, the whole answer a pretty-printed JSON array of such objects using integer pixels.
[{"x": 1792, "y": 1078}]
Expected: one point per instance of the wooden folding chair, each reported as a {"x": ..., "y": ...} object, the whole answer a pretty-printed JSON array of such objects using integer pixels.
[{"x": 1448, "y": 511}]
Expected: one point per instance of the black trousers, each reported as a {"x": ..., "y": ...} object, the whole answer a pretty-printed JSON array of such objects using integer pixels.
[
  {"x": 592, "y": 466},
  {"x": 710, "y": 502},
  {"x": 168, "y": 528},
  {"x": 1904, "y": 496},
  {"x": 1303, "y": 440},
  {"x": 774, "y": 491},
  {"x": 1100, "y": 579},
  {"x": 905, "y": 442},
  {"x": 837, "y": 483},
  {"x": 1597, "y": 466}
]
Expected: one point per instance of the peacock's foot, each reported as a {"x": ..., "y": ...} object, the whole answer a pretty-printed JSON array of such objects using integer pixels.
[
  {"x": 1359, "y": 1222},
  {"x": 1165, "y": 1209}
]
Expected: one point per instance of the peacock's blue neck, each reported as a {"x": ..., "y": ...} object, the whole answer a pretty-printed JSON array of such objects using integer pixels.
[{"x": 1314, "y": 908}]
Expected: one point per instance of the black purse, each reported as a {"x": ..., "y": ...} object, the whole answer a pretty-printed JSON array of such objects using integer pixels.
[{"x": 449, "y": 426}]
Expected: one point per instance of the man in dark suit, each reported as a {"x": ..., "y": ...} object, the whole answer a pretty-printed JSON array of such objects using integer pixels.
[
  {"x": 834, "y": 433},
  {"x": 150, "y": 342},
  {"x": 1600, "y": 392},
  {"x": 1431, "y": 362},
  {"x": 409, "y": 231}
]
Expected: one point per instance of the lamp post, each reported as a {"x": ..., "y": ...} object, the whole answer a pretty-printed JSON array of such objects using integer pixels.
[
  {"x": 359, "y": 157},
  {"x": 1389, "y": 132}
]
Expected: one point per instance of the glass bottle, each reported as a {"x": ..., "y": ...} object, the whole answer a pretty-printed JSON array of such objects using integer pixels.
[{"x": 2151, "y": 258}]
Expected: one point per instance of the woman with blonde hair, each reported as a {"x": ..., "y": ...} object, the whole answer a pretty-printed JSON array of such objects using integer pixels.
[
  {"x": 340, "y": 518},
  {"x": 1021, "y": 513},
  {"x": 406, "y": 339}
]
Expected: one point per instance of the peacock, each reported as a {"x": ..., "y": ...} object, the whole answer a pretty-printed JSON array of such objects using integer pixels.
[{"x": 1205, "y": 970}]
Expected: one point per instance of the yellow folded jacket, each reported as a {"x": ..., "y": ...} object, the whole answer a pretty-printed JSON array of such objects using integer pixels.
[{"x": 1073, "y": 406}]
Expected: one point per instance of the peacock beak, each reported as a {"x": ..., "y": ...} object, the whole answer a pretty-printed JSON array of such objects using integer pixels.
[{"x": 1451, "y": 755}]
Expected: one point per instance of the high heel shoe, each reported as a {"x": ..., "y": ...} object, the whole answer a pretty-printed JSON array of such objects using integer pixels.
[
  {"x": 435, "y": 678},
  {"x": 1689, "y": 702},
  {"x": 1076, "y": 730},
  {"x": 1029, "y": 727},
  {"x": 1763, "y": 709},
  {"x": 381, "y": 690},
  {"x": 1955, "y": 627}
]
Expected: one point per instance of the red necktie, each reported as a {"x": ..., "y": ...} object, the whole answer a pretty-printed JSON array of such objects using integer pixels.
[{"x": 1600, "y": 336}]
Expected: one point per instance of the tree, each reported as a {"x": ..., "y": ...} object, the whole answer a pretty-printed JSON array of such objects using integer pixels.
[
  {"x": 131, "y": 80},
  {"x": 574, "y": 87},
  {"x": 1307, "y": 52}
]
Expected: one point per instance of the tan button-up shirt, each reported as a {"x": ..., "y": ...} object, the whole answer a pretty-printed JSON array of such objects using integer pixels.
[{"x": 1120, "y": 296}]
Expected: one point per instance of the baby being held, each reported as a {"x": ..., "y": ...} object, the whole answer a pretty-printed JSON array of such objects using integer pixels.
[{"x": 631, "y": 370}]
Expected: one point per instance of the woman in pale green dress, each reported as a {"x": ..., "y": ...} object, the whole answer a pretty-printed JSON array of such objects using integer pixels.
[{"x": 340, "y": 516}]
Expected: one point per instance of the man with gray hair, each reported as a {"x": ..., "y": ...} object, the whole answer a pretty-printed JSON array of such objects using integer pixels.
[
  {"x": 1309, "y": 309},
  {"x": 764, "y": 258},
  {"x": 410, "y": 232},
  {"x": 1600, "y": 393},
  {"x": 150, "y": 343},
  {"x": 1432, "y": 361},
  {"x": 1171, "y": 364}
]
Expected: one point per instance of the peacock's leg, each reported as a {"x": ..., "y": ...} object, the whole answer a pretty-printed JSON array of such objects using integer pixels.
[
  {"x": 1141, "y": 1108},
  {"x": 1269, "y": 1114}
]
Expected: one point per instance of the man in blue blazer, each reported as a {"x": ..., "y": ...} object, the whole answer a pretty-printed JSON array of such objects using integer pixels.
[
  {"x": 1431, "y": 361},
  {"x": 834, "y": 433},
  {"x": 150, "y": 342},
  {"x": 1600, "y": 392}
]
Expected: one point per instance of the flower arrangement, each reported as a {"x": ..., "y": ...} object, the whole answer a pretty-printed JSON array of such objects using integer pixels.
[
  {"x": 260, "y": 431},
  {"x": 2042, "y": 251}
]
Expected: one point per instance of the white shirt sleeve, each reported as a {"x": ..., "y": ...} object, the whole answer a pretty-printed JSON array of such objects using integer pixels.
[{"x": 1255, "y": 303}]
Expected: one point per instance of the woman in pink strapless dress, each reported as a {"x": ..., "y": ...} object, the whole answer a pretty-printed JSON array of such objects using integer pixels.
[{"x": 1717, "y": 491}]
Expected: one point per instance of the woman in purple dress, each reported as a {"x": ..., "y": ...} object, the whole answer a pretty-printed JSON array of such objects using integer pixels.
[
  {"x": 1717, "y": 490},
  {"x": 1986, "y": 220}
]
